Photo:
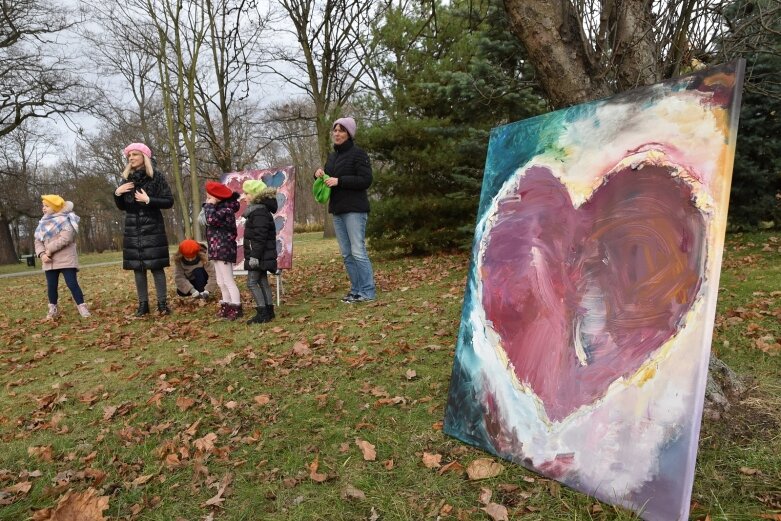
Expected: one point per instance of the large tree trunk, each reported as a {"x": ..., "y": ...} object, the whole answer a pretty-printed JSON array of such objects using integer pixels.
[
  {"x": 553, "y": 38},
  {"x": 7, "y": 250}
]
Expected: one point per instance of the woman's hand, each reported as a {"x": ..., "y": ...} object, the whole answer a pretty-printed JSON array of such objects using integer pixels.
[
  {"x": 45, "y": 258},
  {"x": 124, "y": 188},
  {"x": 332, "y": 181},
  {"x": 141, "y": 196},
  {"x": 319, "y": 173}
]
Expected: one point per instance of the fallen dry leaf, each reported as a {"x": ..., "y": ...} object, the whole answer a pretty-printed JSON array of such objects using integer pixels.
[
  {"x": 78, "y": 506},
  {"x": 410, "y": 374},
  {"x": 206, "y": 444},
  {"x": 485, "y": 495},
  {"x": 388, "y": 464},
  {"x": 772, "y": 517},
  {"x": 350, "y": 492},
  {"x": 369, "y": 454},
  {"x": 184, "y": 403},
  {"x": 43, "y": 452},
  {"x": 218, "y": 498},
  {"x": 483, "y": 468},
  {"x": 432, "y": 461},
  {"x": 109, "y": 411},
  {"x": 140, "y": 480},
  {"x": 262, "y": 399},
  {"x": 749, "y": 471},
  {"x": 496, "y": 511},
  {"x": 19, "y": 488},
  {"x": 453, "y": 466},
  {"x": 313, "y": 474},
  {"x": 301, "y": 348}
]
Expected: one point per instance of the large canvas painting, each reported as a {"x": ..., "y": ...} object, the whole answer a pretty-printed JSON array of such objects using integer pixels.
[
  {"x": 283, "y": 179},
  {"x": 588, "y": 314}
]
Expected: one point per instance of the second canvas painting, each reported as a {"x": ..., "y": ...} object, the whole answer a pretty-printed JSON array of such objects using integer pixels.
[{"x": 588, "y": 315}]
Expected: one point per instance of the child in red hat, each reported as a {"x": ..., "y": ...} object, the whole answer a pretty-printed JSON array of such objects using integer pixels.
[
  {"x": 219, "y": 211},
  {"x": 193, "y": 271}
]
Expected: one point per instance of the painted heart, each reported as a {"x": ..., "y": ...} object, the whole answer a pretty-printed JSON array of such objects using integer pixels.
[
  {"x": 275, "y": 180},
  {"x": 582, "y": 297}
]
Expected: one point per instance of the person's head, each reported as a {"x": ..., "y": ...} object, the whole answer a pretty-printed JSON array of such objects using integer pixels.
[
  {"x": 218, "y": 190},
  {"x": 52, "y": 203},
  {"x": 138, "y": 155},
  {"x": 189, "y": 249},
  {"x": 253, "y": 188},
  {"x": 343, "y": 130}
]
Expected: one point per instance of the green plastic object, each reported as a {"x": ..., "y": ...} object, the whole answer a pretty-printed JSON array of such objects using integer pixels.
[{"x": 321, "y": 191}]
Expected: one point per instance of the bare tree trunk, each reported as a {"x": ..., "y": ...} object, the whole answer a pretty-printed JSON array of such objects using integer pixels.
[
  {"x": 552, "y": 35},
  {"x": 7, "y": 251}
]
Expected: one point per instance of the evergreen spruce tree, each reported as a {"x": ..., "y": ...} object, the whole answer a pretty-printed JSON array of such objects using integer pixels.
[
  {"x": 448, "y": 84},
  {"x": 756, "y": 182}
]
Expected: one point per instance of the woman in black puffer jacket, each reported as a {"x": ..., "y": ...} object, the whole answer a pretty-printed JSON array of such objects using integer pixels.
[
  {"x": 145, "y": 245},
  {"x": 349, "y": 174}
]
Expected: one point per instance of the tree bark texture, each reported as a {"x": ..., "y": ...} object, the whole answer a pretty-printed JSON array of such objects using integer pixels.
[
  {"x": 7, "y": 250},
  {"x": 553, "y": 37}
]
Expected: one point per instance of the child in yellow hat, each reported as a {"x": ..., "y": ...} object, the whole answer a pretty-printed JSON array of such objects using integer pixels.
[{"x": 55, "y": 245}]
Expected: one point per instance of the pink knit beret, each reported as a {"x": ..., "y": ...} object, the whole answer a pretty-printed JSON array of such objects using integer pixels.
[{"x": 138, "y": 147}]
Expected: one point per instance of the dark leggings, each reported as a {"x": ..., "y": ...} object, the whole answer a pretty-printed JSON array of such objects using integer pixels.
[
  {"x": 141, "y": 284},
  {"x": 53, "y": 280},
  {"x": 257, "y": 282}
]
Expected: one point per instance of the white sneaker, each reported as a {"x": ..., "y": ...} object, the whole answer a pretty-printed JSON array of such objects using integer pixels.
[
  {"x": 83, "y": 311},
  {"x": 53, "y": 312}
]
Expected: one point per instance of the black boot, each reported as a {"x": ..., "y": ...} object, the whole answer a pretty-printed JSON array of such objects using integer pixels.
[
  {"x": 270, "y": 311},
  {"x": 143, "y": 308},
  {"x": 258, "y": 318},
  {"x": 162, "y": 307}
]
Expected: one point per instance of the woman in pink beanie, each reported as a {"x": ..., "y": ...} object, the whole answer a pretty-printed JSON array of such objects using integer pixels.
[
  {"x": 350, "y": 175},
  {"x": 142, "y": 196}
]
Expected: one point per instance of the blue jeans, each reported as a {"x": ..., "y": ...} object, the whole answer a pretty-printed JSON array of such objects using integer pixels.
[{"x": 350, "y": 231}]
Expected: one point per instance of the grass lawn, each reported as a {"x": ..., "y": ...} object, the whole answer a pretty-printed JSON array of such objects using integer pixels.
[{"x": 328, "y": 413}]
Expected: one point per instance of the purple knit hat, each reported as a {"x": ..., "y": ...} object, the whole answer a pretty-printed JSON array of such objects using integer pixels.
[{"x": 348, "y": 124}]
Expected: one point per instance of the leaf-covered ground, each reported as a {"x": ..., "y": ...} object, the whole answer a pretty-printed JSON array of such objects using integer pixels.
[{"x": 331, "y": 412}]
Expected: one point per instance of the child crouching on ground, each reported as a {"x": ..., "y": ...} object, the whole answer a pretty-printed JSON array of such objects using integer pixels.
[
  {"x": 193, "y": 271},
  {"x": 219, "y": 210},
  {"x": 260, "y": 246},
  {"x": 55, "y": 245}
]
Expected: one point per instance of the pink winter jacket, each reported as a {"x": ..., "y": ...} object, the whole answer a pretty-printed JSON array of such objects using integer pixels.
[{"x": 61, "y": 248}]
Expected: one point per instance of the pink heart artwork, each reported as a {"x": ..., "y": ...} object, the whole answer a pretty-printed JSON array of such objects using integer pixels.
[{"x": 582, "y": 297}]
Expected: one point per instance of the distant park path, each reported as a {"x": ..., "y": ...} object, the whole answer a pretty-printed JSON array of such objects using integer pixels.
[{"x": 37, "y": 270}]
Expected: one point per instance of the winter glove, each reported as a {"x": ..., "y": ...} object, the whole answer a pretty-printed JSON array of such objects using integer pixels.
[
  {"x": 194, "y": 293},
  {"x": 254, "y": 263}
]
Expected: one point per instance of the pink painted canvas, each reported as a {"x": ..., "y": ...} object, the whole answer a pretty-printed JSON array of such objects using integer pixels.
[
  {"x": 283, "y": 179},
  {"x": 588, "y": 316}
]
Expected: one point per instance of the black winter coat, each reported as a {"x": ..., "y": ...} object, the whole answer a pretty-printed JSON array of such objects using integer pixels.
[
  {"x": 260, "y": 233},
  {"x": 351, "y": 165},
  {"x": 145, "y": 244}
]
